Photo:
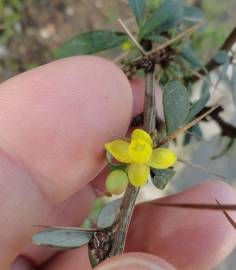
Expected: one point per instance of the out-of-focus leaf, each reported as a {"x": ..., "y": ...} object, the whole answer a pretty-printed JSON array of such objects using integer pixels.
[
  {"x": 161, "y": 177},
  {"x": 108, "y": 214},
  {"x": 196, "y": 131},
  {"x": 91, "y": 42},
  {"x": 63, "y": 237},
  {"x": 176, "y": 105},
  {"x": 156, "y": 38},
  {"x": 114, "y": 166},
  {"x": 138, "y": 7},
  {"x": 233, "y": 83},
  {"x": 221, "y": 57},
  {"x": 193, "y": 15},
  {"x": 199, "y": 105},
  {"x": 166, "y": 16},
  {"x": 227, "y": 147},
  {"x": 188, "y": 54}
]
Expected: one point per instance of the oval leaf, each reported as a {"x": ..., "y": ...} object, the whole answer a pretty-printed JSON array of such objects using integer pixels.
[
  {"x": 138, "y": 7},
  {"x": 188, "y": 54},
  {"x": 199, "y": 105},
  {"x": 166, "y": 16},
  {"x": 90, "y": 43},
  {"x": 108, "y": 214},
  {"x": 62, "y": 238},
  {"x": 221, "y": 57},
  {"x": 176, "y": 105},
  {"x": 161, "y": 177},
  {"x": 192, "y": 15}
]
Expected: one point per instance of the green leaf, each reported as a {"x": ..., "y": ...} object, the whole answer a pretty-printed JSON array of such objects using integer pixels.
[
  {"x": 200, "y": 104},
  {"x": 192, "y": 15},
  {"x": 63, "y": 237},
  {"x": 114, "y": 166},
  {"x": 138, "y": 7},
  {"x": 188, "y": 54},
  {"x": 227, "y": 147},
  {"x": 161, "y": 177},
  {"x": 156, "y": 38},
  {"x": 90, "y": 43},
  {"x": 221, "y": 57},
  {"x": 176, "y": 105},
  {"x": 195, "y": 130},
  {"x": 108, "y": 214},
  {"x": 166, "y": 16},
  {"x": 233, "y": 83}
]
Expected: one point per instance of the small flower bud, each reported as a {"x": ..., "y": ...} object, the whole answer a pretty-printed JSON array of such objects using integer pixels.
[{"x": 117, "y": 182}]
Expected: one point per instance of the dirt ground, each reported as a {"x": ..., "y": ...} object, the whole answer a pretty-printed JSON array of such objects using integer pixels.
[
  {"x": 46, "y": 24},
  {"x": 37, "y": 28}
]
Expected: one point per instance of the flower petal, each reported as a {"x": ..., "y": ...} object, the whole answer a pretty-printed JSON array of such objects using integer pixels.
[
  {"x": 140, "y": 134},
  {"x": 119, "y": 150},
  {"x": 140, "y": 151},
  {"x": 138, "y": 174},
  {"x": 162, "y": 158}
]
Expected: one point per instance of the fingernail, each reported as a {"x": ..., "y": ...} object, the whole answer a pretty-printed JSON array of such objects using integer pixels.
[
  {"x": 21, "y": 263},
  {"x": 131, "y": 264}
]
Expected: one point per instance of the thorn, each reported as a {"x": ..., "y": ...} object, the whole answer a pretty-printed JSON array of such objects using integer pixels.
[
  {"x": 203, "y": 206},
  {"x": 132, "y": 38},
  {"x": 196, "y": 166},
  {"x": 231, "y": 221},
  {"x": 188, "y": 126}
]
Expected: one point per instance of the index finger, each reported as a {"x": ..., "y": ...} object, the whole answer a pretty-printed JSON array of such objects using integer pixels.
[{"x": 54, "y": 121}]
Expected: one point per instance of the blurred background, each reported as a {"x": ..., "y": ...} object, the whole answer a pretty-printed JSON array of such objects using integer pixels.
[{"x": 31, "y": 30}]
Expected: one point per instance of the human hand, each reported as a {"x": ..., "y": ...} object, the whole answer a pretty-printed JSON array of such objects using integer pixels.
[{"x": 54, "y": 121}]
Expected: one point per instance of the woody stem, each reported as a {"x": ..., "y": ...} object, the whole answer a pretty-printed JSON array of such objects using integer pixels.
[{"x": 121, "y": 224}]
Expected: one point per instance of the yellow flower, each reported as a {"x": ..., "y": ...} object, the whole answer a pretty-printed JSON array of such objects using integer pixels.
[{"x": 140, "y": 156}]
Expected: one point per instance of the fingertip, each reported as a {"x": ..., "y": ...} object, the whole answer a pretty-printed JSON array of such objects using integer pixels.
[
  {"x": 189, "y": 239},
  {"x": 135, "y": 261},
  {"x": 56, "y": 119}
]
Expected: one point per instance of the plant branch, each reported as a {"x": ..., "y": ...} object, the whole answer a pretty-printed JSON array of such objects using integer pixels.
[
  {"x": 121, "y": 224},
  {"x": 188, "y": 126}
]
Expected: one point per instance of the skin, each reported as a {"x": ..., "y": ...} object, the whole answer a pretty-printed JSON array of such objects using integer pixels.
[{"x": 54, "y": 122}]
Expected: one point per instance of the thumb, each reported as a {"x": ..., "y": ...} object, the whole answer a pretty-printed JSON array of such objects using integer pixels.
[{"x": 135, "y": 261}]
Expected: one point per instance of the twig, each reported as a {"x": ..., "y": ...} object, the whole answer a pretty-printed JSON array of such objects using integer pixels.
[
  {"x": 166, "y": 44},
  {"x": 200, "y": 168},
  {"x": 132, "y": 38},
  {"x": 186, "y": 127},
  {"x": 121, "y": 224},
  {"x": 188, "y": 31},
  {"x": 230, "y": 219}
]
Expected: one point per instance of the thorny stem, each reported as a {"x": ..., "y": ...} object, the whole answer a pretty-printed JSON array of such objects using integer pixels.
[{"x": 121, "y": 224}]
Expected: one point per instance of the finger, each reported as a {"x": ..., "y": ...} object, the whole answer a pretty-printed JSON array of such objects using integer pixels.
[
  {"x": 78, "y": 259},
  {"x": 49, "y": 148},
  {"x": 189, "y": 239}
]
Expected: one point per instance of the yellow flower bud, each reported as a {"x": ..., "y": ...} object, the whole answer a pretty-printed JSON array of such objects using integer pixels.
[{"x": 116, "y": 182}]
